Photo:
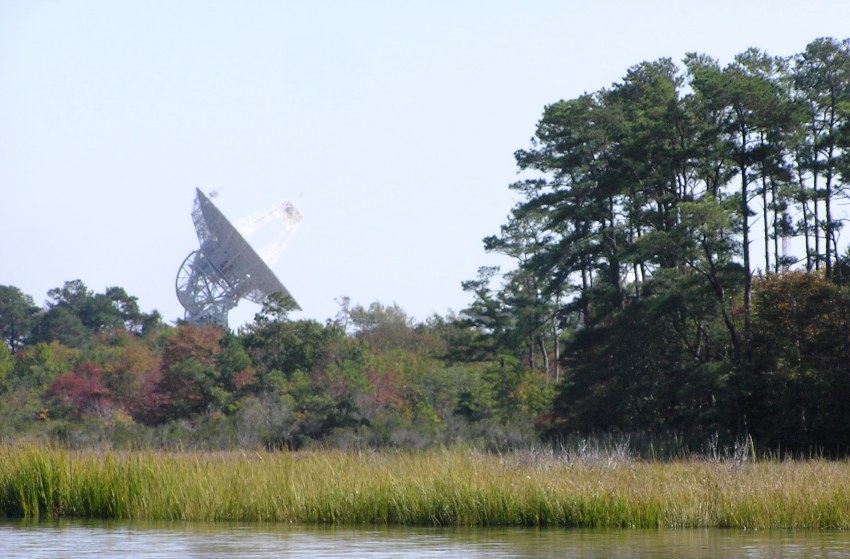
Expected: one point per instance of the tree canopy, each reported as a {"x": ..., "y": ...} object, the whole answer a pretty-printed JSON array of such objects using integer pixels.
[{"x": 637, "y": 236}]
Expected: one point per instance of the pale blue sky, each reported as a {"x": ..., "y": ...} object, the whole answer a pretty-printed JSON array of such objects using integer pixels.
[{"x": 390, "y": 125}]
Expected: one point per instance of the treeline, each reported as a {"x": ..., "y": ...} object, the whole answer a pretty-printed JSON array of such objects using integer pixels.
[
  {"x": 89, "y": 369},
  {"x": 677, "y": 249},
  {"x": 679, "y": 276}
]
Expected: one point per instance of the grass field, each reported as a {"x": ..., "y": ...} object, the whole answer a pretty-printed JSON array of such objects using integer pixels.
[{"x": 435, "y": 488}]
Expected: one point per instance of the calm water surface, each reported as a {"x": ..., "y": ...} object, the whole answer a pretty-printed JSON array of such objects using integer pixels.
[{"x": 67, "y": 539}]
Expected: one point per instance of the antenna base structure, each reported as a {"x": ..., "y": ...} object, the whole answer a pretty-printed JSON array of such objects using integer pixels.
[{"x": 225, "y": 269}]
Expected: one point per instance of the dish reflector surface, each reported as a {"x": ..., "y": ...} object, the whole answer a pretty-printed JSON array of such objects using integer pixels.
[{"x": 223, "y": 270}]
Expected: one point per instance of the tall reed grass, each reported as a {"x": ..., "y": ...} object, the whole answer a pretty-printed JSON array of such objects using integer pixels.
[{"x": 440, "y": 488}]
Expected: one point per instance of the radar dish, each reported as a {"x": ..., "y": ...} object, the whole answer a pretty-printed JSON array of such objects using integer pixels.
[{"x": 225, "y": 269}]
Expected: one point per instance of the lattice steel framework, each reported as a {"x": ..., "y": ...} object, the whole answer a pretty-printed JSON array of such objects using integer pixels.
[{"x": 225, "y": 269}]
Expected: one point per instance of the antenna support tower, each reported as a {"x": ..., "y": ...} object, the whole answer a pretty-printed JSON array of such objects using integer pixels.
[{"x": 225, "y": 269}]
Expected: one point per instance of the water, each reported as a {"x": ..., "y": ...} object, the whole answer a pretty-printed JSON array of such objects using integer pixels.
[{"x": 72, "y": 539}]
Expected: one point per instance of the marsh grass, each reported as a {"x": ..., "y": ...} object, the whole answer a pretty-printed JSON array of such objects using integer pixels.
[{"x": 438, "y": 488}]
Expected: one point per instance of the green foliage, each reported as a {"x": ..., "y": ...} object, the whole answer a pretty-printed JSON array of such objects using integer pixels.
[
  {"x": 62, "y": 325},
  {"x": 7, "y": 365},
  {"x": 235, "y": 366},
  {"x": 40, "y": 363},
  {"x": 17, "y": 315},
  {"x": 288, "y": 346},
  {"x": 383, "y": 327},
  {"x": 75, "y": 315},
  {"x": 635, "y": 236}
]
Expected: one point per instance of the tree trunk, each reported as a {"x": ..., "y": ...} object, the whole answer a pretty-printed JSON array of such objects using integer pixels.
[
  {"x": 816, "y": 218},
  {"x": 745, "y": 245},
  {"x": 775, "y": 227},
  {"x": 557, "y": 350},
  {"x": 542, "y": 344},
  {"x": 828, "y": 226},
  {"x": 804, "y": 205},
  {"x": 765, "y": 209}
]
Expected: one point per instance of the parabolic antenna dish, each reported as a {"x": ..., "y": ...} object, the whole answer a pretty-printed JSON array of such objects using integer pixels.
[{"x": 225, "y": 269}]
